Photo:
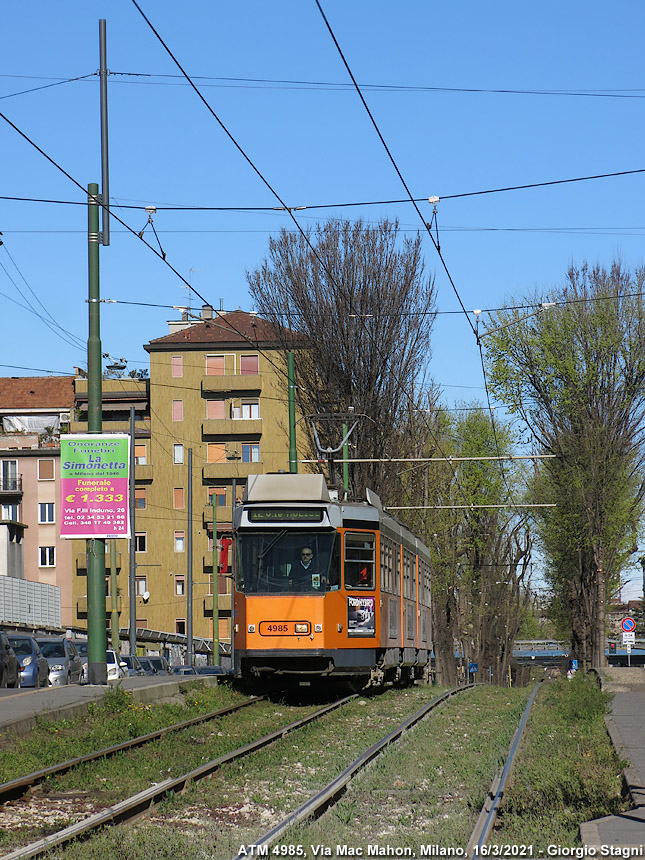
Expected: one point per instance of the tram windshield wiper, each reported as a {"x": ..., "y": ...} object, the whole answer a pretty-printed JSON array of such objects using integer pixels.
[{"x": 275, "y": 540}]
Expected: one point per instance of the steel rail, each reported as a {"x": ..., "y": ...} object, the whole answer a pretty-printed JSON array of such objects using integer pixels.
[
  {"x": 139, "y": 803},
  {"x": 490, "y": 810},
  {"x": 330, "y": 794},
  {"x": 18, "y": 786}
]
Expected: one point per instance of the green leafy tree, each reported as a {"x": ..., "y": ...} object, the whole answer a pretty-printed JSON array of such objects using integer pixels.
[
  {"x": 575, "y": 373},
  {"x": 480, "y": 543}
]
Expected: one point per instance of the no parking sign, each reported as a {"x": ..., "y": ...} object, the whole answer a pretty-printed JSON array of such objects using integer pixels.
[{"x": 628, "y": 624}]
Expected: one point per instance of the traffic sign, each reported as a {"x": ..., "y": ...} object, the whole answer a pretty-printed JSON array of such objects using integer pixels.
[
  {"x": 629, "y": 638},
  {"x": 628, "y": 624}
]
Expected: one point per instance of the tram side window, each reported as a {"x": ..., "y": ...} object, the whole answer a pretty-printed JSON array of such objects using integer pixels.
[
  {"x": 386, "y": 564},
  {"x": 424, "y": 583},
  {"x": 359, "y": 560},
  {"x": 397, "y": 570}
]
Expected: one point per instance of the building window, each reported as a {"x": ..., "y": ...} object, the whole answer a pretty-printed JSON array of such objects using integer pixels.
[
  {"x": 140, "y": 499},
  {"x": 215, "y": 452},
  {"x": 178, "y": 454},
  {"x": 180, "y": 626},
  {"x": 45, "y": 470},
  {"x": 10, "y": 512},
  {"x": 180, "y": 586},
  {"x": 215, "y": 409},
  {"x": 46, "y": 512},
  {"x": 140, "y": 455},
  {"x": 251, "y": 409},
  {"x": 178, "y": 498},
  {"x": 9, "y": 475},
  {"x": 250, "y": 452},
  {"x": 177, "y": 366},
  {"x": 220, "y": 496},
  {"x": 141, "y": 542},
  {"x": 215, "y": 365},
  {"x": 249, "y": 365},
  {"x": 46, "y": 556},
  {"x": 180, "y": 541},
  {"x": 177, "y": 410},
  {"x": 142, "y": 623},
  {"x": 142, "y": 585}
]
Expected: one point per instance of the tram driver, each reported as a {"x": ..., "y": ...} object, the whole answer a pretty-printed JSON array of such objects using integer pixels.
[{"x": 306, "y": 570}]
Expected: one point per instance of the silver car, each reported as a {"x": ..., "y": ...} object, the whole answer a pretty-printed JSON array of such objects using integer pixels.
[{"x": 65, "y": 665}]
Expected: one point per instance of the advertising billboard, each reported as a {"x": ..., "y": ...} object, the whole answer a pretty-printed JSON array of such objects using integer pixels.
[{"x": 94, "y": 470}]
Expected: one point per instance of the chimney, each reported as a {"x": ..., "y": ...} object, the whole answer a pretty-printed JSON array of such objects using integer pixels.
[{"x": 207, "y": 312}]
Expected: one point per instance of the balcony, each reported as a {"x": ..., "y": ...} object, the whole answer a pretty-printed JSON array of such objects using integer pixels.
[
  {"x": 231, "y": 469},
  {"x": 141, "y": 426},
  {"x": 10, "y": 485},
  {"x": 224, "y": 514},
  {"x": 80, "y": 560},
  {"x": 232, "y": 427},
  {"x": 81, "y": 605},
  {"x": 231, "y": 382},
  {"x": 143, "y": 473},
  {"x": 223, "y": 605}
]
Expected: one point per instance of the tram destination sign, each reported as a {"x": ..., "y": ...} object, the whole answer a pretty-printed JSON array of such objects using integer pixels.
[{"x": 285, "y": 515}]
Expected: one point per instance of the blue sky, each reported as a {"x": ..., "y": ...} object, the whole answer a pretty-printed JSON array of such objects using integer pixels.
[{"x": 314, "y": 143}]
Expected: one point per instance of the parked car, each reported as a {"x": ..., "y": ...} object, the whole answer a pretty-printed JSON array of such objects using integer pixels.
[
  {"x": 160, "y": 665},
  {"x": 65, "y": 666},
  {"x": 146, "y": 665},
  {"x": 9, "y": 665},
  {"x": 81, "y": 647},
  {"x": 213, "y": 670},
  {"x": 133, "y": 666},
  {"x": 116, "y": 668},
  {"x": 34, "y": 668},
  {"x": 183, "y": 670}
]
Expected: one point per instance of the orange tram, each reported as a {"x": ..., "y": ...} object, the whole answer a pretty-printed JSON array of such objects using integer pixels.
[{"x": 326, "y": 591}]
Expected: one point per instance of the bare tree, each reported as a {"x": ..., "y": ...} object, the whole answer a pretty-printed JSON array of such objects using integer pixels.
[{"x": 354, "y": 301}]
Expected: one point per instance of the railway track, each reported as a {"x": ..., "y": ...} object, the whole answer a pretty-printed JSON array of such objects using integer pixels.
[
  {"x": 323, "y": 800},
  {"x": 16, "y": 787},
  {"x": 329, "y": 795},
  {"x": 134, "y": 806}
]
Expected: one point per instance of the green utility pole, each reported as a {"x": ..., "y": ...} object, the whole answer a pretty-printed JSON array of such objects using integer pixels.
[
  {"x": 345, "y": 463},
  {"x": 114, "y": 592},
  {"x": 215, "y": 585},
  {"x": 96, "y": 627},
  {"x": 293, "y": 453}
]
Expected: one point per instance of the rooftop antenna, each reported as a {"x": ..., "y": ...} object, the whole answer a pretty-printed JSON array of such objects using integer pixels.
[{"x": 189, "y": 289}]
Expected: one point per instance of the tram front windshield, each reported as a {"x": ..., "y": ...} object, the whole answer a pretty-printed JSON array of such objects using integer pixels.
[{"x": 280, "y": 562}]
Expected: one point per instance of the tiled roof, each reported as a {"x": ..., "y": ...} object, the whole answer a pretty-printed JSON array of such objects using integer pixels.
[
  {"x": 236, "y": 327},
  {"x": 36, "y": 392}
]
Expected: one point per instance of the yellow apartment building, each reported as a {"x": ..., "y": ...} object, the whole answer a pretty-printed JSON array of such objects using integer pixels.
[{"x": 218, "y": 396}]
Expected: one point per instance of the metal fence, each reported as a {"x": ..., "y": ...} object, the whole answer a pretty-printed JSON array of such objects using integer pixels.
[{"x": 33, "y": 604}]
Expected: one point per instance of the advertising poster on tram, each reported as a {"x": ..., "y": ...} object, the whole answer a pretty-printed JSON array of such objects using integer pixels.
[
  {"x": 94, "y": 481},
  {"x": 361, "y": 616}
]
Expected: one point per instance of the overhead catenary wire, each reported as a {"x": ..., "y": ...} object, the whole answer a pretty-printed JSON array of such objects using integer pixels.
[
  {"x": 345, "y": 204},
  {"x": 82, "y": 188},
  {"x": 289, "y": 210},
  {"x": 426, "y": 225}
]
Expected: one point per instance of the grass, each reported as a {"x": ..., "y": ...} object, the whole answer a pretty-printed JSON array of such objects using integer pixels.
[
  {"x": 430, "y": 787},
  {"x": 567, "y": 771},
  {"x": 243, "y": 799},
  {"x": 115, "y": 718}
]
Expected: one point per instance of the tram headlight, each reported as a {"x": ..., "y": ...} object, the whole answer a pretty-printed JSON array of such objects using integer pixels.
[
  {"x": 302, "y": 628},
  {"x": 251, "y": 628},
  {"x": 317, "y": 628}
]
